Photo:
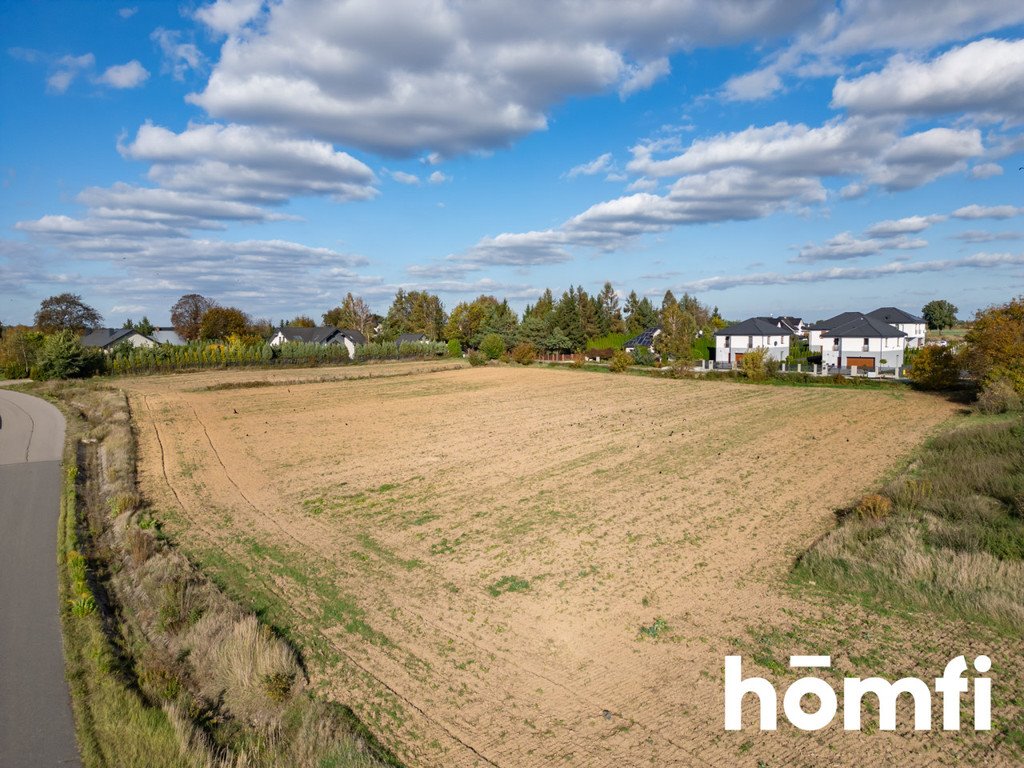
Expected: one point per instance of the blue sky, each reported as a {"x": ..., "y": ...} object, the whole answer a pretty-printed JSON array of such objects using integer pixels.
[{"x": 770, "y": 156}]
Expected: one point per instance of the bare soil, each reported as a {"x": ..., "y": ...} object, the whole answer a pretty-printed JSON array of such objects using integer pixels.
[{"x": 531, "y": 567}]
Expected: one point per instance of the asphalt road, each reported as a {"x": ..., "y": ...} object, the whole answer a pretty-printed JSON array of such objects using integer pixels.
[{"x": 36, "y": 727}]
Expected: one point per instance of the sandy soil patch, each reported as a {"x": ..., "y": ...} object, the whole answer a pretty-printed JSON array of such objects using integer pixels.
[{"x": 470, "y": 557}]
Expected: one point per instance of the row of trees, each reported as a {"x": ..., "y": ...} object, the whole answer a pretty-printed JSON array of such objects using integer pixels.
[{"x": 563, "y": 325}]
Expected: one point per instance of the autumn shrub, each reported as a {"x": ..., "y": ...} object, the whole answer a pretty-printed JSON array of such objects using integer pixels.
[
  {"x": 476, "y": 357},
  {"x": 524, "y": 353},
  {"x": 620, "y": 361},
  {"x": 874, "y": 506},
  {"x": 935, "y": 368},
  {"x": 19, "y": 347},
  {"x": 454, "y": 348},
  {"x": 998, "y": 396},
  {"x": 755, "y": 365},
  {"x": 578, "y": 360},
  {"x": 995, "y": 345}
]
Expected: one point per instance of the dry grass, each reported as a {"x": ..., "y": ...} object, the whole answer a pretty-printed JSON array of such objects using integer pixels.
[
  {"x": 166, "y": 629},
  {"x": 952, "y": 534},
  {"x": 244, "y": 663}
]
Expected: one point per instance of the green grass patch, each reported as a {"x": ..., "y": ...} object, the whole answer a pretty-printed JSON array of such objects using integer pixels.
[
  {"x": 508, "y": 584},
  {"x": 950, "y": 539},
  {"x": 657, "y": 628}
]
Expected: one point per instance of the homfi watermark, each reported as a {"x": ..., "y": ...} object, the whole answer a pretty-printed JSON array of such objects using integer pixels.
[{"x": 951, "y": 686}]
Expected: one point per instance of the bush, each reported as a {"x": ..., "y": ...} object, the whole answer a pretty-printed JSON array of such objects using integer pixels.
[
  {"x": 493, "y": 345},
  {"x": 643, "y": 356},
  {"x": 999, "y": 396},
  {"x": 874, "y": 506},
  {"x": 524, "y": 353},
  {"x": 995, "y": 345},
  {"x": 454, "y": 348},
  {"x": 476, "y": 357},
  {"x": 62, "y": 356},
  {"x": 757, "y": 365},
  {"x": 579, "y": 360},
  {"x": 935, "y": 368},
  {"x": 620, "y": 361},
  {"x": 19, "y": 348}
]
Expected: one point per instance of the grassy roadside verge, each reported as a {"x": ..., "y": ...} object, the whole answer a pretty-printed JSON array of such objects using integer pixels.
[
  {"x": 113, "y": 723},
  {"x": 165, "y": 670}
]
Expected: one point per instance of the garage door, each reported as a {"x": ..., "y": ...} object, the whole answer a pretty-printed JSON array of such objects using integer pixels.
[
  {"x": 862, "y": 363},
  {"x": 738, "y": 356}
]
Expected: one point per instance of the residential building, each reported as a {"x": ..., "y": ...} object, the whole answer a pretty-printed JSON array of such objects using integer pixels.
[
  {"x": 865, "y": 342},
  {"x": 734, "y": 341}
]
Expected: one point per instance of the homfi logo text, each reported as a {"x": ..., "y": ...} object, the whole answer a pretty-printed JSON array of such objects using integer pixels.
[{"x": 950, "y": 687}]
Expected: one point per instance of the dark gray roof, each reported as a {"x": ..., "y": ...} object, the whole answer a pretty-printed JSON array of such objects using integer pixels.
[
  {"x": 320, "y": 335},
  {"x": 407, "y": 338},
  {"x": 754, "y": 326},
  {"x": 832, "y": 322},
  {"x": 789, "y": 323},
  {"x": 894, "y": 316},
  {"x": 864, "y": 327},
  {"x": 353, "y": 334},
  {"x": 645, "y": 339},
  {"x": 106, "y": 337}
]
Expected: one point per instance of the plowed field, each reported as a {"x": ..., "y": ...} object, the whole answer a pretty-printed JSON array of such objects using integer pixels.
[{"x": 532, "y": 567}]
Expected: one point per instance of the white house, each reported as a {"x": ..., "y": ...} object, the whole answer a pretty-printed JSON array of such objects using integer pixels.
[
  {"x": 815, "y": 330},
  {"x": 864, "y": 342},
  {"x": 108, "y": 338},
  {"x": 166, "y": 335},
  {"x": 324, "y": 335},
  {"x": 733, "y": 342},
  {"x": 912, "y": 325}
]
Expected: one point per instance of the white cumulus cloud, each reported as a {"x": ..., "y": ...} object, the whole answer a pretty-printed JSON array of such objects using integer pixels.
[{"x": 123, "y": 76}]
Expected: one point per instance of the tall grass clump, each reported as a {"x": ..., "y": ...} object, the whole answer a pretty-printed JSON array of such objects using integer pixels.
[{"x": 947, "y": 535}]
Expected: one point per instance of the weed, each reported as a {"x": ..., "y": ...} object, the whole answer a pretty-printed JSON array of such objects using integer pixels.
[
  {"x": 508, "y": 584},
  {"x": 655, "y": 629},
  {"x": 83, "y": 606},
  {"x": 874, "y": 506}
]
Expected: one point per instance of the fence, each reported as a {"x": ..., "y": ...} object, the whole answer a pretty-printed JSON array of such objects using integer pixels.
[{"x": 812, "y": 369}]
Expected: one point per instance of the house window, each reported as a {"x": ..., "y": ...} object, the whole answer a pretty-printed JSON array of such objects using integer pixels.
[
  {"x": 835, "y": 343},
  {"x": 750, "y": 342},
  {"x": 865, "y": 347},
  {"x": 728, "y": 342}
]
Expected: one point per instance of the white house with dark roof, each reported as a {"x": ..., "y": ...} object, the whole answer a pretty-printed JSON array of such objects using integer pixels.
[
  {"x": 323, "y": 335},
  {"x": 108, "y": 338},
  {"x": 815, "y": 330},
  {"x": 734, "y": 341},
  {"x": 912, "y": 325},
  {"x": 865, "y": 342}
]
